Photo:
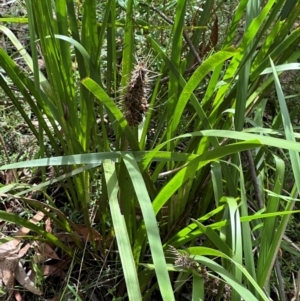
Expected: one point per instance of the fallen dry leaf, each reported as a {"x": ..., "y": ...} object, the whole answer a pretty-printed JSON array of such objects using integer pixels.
[
  {"x": 7, "y": 271},
  {"x": 46, "y": 252},
  {"x": 18, "y": 296},
  {"x": 85, "y": 233},
  {"x": 48, "y": 226},
  {"x": 25, "y": 281},
  {"x": 54, "y": 269},
  {"x": 23, "y": 251},
  {"x": 82, "y": 233},
  {"x": 64, "y": 237},
  {"x": 10, "y": 267},
  {"x": 9, "y": 248},
  {"x": 10, "y": 176}
]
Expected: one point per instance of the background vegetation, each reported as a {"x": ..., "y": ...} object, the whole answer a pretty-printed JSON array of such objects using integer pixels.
[{"x": 150, "y": 150}]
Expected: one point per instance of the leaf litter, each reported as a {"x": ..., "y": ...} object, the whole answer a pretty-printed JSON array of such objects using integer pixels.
[{"x": 11, "y": 268}]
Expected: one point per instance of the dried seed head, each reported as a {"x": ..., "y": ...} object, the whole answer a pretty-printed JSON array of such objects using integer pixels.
[
  {"x": 183, "y": 260},
  {"x": 135, "y": 100}
]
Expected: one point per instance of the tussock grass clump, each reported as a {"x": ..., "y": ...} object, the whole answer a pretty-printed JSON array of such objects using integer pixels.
[
  {"x": 205, "y": 116},
  {"x": 135, "y": 100}
]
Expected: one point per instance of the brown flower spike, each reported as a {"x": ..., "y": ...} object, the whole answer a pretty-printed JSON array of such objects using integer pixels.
[{"x": 135, "y": 100}]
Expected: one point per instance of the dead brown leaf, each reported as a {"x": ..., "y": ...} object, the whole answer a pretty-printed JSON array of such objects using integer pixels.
[
  {"x": 25, "y": 281},
  {"x": 9, "y": 248},
  {"x": 54, "y": 269},
  {"x": 18, "y": 296},
  {"x": 23, "y": 251},
  {"x": 213, "y": 40},
  {"x": 64, "y": 237},
  {"x": 12, "y": 247},
  {"x": 7, "y": 271},
  {"x": 84, "y": 231},
  {"x": 48, "y": 226},
  {"x": 10, "y": 176},
  {"x": 46, "y": 252},
  {"x": 10, "y": 267}
]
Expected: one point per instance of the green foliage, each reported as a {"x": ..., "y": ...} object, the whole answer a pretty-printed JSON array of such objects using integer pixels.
[{"x": 183, "y": 167}]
